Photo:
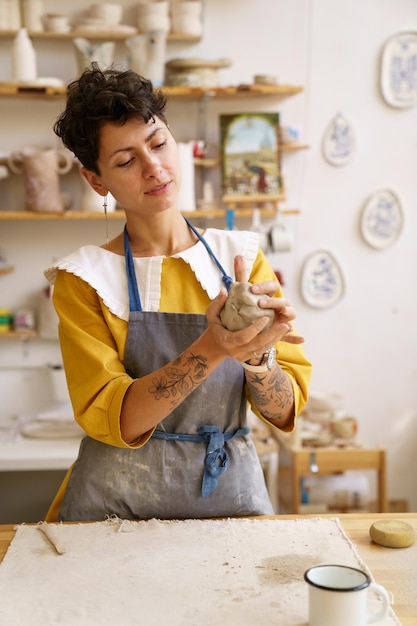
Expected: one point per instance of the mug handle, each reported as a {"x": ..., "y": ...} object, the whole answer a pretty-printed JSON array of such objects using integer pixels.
[
  {"x": 65, "y": 161},
  {"x": 15, "y": 163},
  {"x": 386, "y": 602}
]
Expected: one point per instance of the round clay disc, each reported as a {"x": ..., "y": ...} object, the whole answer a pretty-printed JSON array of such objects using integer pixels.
[{"x": 392, "y": 533}]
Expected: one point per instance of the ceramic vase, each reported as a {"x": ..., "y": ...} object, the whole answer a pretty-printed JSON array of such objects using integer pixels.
[
  {"x": 41, "y": 169},
  {"x": 24, "y": 68}
]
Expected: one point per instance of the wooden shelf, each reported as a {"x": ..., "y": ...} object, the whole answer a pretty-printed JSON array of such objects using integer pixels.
[
  {"x": 66, "y": 215},
  {"x": 19, "y": 90},
  {"x": 292, "y": 147},
  {"x": 89, "y": 215},
  {"x": 95, "y": 35},
  {"x": 206, "y": 162},
  {"x": 237, "y": 91},
  {"x": 18, "y": 334}
]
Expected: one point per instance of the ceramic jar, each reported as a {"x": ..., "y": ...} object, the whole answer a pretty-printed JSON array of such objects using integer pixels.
[
  {"x": 10, "y": 15},
  {"x": 32, "y": 11},
  {"x": 186, "y": 18},
  {"x": 153, "y": 16}
]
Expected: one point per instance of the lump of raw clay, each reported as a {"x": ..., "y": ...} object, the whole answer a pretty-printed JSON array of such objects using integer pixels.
[{"x": 241, "y": 307}]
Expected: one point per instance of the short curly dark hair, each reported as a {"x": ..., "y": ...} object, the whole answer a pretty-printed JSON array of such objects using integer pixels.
[{"x": 100, "y": 96}]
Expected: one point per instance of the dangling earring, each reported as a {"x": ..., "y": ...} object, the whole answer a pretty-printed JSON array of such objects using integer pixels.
[{"x": 105, "y": 214}]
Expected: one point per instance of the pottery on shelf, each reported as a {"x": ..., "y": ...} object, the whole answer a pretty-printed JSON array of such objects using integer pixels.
[
  {"x": 41, "y": 169},
  {"x": 87, "y": 53},
  {"x": 194, "y": 72},
  {"x": 153, "y": 16},
  {"x": 147, "y": 55}
]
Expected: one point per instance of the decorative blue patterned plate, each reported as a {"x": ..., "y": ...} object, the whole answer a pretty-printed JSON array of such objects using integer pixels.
[
  {"x": 322, "y": 283},
  {"x": 339, "y": 141},
  {"x": 399, "y": 70},
  {"x": 382, "y": 219}
]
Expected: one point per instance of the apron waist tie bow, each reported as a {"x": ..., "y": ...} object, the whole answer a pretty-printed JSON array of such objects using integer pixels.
[{"x": 217, "y": 459}]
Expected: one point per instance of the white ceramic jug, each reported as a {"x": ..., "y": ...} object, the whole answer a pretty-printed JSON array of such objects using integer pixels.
[
  {"x": 147, "y": 55},
  {"x": 87, "y": 53}
]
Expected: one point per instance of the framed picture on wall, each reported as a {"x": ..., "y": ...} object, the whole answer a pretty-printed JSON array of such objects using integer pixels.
[{"x": 251, "y": 170}]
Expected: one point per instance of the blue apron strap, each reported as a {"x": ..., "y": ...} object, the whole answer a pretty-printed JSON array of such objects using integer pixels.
[
  {"x": 227, "y": 280},
  {"x": 217, "y": 459},
  {"x": 132, "y": 285}
]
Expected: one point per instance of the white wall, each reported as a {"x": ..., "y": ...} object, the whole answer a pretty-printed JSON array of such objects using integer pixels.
[{"x": 364, "y": 347}]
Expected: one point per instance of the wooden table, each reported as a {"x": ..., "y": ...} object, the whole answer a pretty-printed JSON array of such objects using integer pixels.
[
  {"x": 298, "y": 461},
  {"x": 397, "y": 574}
]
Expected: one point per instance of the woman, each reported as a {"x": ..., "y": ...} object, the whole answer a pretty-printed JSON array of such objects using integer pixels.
[{"x": 156, "y": 381}]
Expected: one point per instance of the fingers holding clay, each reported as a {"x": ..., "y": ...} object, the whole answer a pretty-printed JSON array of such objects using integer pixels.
[
  {"x": 241, "y": 307},
  {"x": 392, "y": 533}
]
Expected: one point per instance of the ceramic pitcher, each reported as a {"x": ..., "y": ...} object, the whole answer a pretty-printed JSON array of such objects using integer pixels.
[
  {"x": 147, "y": 55},
  {"x": 41, "y": 169},
  {"x": 87, "y": 53}
]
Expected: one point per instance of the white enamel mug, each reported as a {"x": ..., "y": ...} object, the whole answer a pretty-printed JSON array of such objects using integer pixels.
[
  {"x": 338, "y": 596},
  {"x": 281, "y": 238}
]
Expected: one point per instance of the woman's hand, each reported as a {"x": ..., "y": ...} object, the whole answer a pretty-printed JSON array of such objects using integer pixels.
[{"x": 252, "y": 341}]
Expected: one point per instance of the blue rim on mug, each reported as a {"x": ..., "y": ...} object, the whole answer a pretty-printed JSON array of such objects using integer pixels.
[{"x": 328, "y": 586}]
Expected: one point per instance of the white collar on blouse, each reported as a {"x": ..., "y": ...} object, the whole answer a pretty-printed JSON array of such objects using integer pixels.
[{"x": 106, "y": 271}]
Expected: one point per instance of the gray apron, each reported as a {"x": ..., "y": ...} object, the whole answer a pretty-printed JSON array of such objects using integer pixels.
[{"x": 199, "y": 463}]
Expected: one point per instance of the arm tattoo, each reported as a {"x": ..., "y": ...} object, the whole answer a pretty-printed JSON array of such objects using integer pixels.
[
  {"x": 177, "y": 381},
  {"x": 277, "y": 393}
]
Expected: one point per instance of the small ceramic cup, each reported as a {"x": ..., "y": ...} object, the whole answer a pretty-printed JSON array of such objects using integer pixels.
[{"x": 338, "y": 596}]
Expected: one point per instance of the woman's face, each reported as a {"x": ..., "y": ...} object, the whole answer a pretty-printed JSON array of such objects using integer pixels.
[{"x": 138, "y": 165}]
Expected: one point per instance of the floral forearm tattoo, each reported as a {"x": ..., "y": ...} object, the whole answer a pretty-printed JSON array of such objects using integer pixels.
[
  {"x": 177, "y": 381},
  {"x": 272, "y": 391}
]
